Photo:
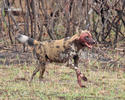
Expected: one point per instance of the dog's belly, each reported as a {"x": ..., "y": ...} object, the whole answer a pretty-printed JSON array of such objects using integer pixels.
[{"x": 60, "y": 57}]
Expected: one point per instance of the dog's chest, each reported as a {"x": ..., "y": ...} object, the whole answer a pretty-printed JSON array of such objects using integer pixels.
[{"x": 66, "y": 55}]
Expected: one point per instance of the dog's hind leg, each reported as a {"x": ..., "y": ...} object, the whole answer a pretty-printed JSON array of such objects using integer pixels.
[
  {"x": 42, "y": 70},
  {"x": 34, "y": 73}
]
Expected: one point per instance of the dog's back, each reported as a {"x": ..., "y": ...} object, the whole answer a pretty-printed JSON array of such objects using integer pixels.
[{"x": 54, "y": 50}]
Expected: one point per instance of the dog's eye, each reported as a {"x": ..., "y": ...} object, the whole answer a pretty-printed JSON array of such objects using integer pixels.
[{"x": 87, "y": 37}]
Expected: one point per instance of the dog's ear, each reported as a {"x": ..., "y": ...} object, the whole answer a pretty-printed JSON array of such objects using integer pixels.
[
  {"x": 84, "y": 32},
  {"x": 78, "y": 30}
]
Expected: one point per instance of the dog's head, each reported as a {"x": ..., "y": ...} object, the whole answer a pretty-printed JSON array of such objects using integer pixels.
[{"x": 86, "y": 39}]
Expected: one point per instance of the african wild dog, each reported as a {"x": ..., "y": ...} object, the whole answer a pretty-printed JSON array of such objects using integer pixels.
[{"x": 64, "y": 50}]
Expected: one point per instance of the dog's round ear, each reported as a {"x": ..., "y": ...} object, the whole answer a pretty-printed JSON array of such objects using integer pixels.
[
  {"x": 82, "y": 31},
  {"x": 86, "y": 32},
  {"x": 77, "y": 30}
]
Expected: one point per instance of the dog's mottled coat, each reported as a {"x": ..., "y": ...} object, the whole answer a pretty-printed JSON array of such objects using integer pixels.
[{"x": 64, "y": 50}]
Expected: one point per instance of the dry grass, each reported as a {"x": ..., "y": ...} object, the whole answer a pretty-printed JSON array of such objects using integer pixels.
[{"x": 60, "y": 83}]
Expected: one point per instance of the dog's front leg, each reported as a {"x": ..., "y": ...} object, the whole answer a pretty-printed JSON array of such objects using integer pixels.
[
  {"x": 78, "y": 72},
  {"x": 79, "y": 77}
]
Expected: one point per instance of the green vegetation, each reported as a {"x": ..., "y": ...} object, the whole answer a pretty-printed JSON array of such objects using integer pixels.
[
  {"x": 60, "y": 83},
  {"x": 105, "y": 71}
]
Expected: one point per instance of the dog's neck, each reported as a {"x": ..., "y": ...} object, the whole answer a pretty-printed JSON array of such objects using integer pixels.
[{"x": 79, "y": 45}]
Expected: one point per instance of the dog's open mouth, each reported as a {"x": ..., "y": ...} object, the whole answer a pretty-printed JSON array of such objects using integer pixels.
[{"x": 88, "y": 45}]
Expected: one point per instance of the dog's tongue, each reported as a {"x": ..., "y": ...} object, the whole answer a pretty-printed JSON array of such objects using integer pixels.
[{"x": 89, "y": 46}]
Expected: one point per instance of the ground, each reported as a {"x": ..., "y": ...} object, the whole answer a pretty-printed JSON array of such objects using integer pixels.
[
  {"x": 105, "y": 73},
  {"x": 60, "y": 83}
]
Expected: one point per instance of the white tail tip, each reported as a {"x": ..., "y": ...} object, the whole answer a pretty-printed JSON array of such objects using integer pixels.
[{"x": 22, "y": 38}]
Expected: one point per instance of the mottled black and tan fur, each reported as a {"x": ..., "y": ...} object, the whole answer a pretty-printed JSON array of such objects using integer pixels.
[{"x": 64, "y": 50}]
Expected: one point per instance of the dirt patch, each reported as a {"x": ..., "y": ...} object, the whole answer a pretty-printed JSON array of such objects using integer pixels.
[{"x": 14, "y": 57}]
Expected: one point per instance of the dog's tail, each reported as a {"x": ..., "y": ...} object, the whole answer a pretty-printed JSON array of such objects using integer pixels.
[{"x": 25, "y": 39}]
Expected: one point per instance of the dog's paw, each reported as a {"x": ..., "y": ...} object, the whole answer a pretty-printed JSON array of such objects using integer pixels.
[
  {"x": 40, "y": 79},
  {"x": 83, "y": 86}
]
